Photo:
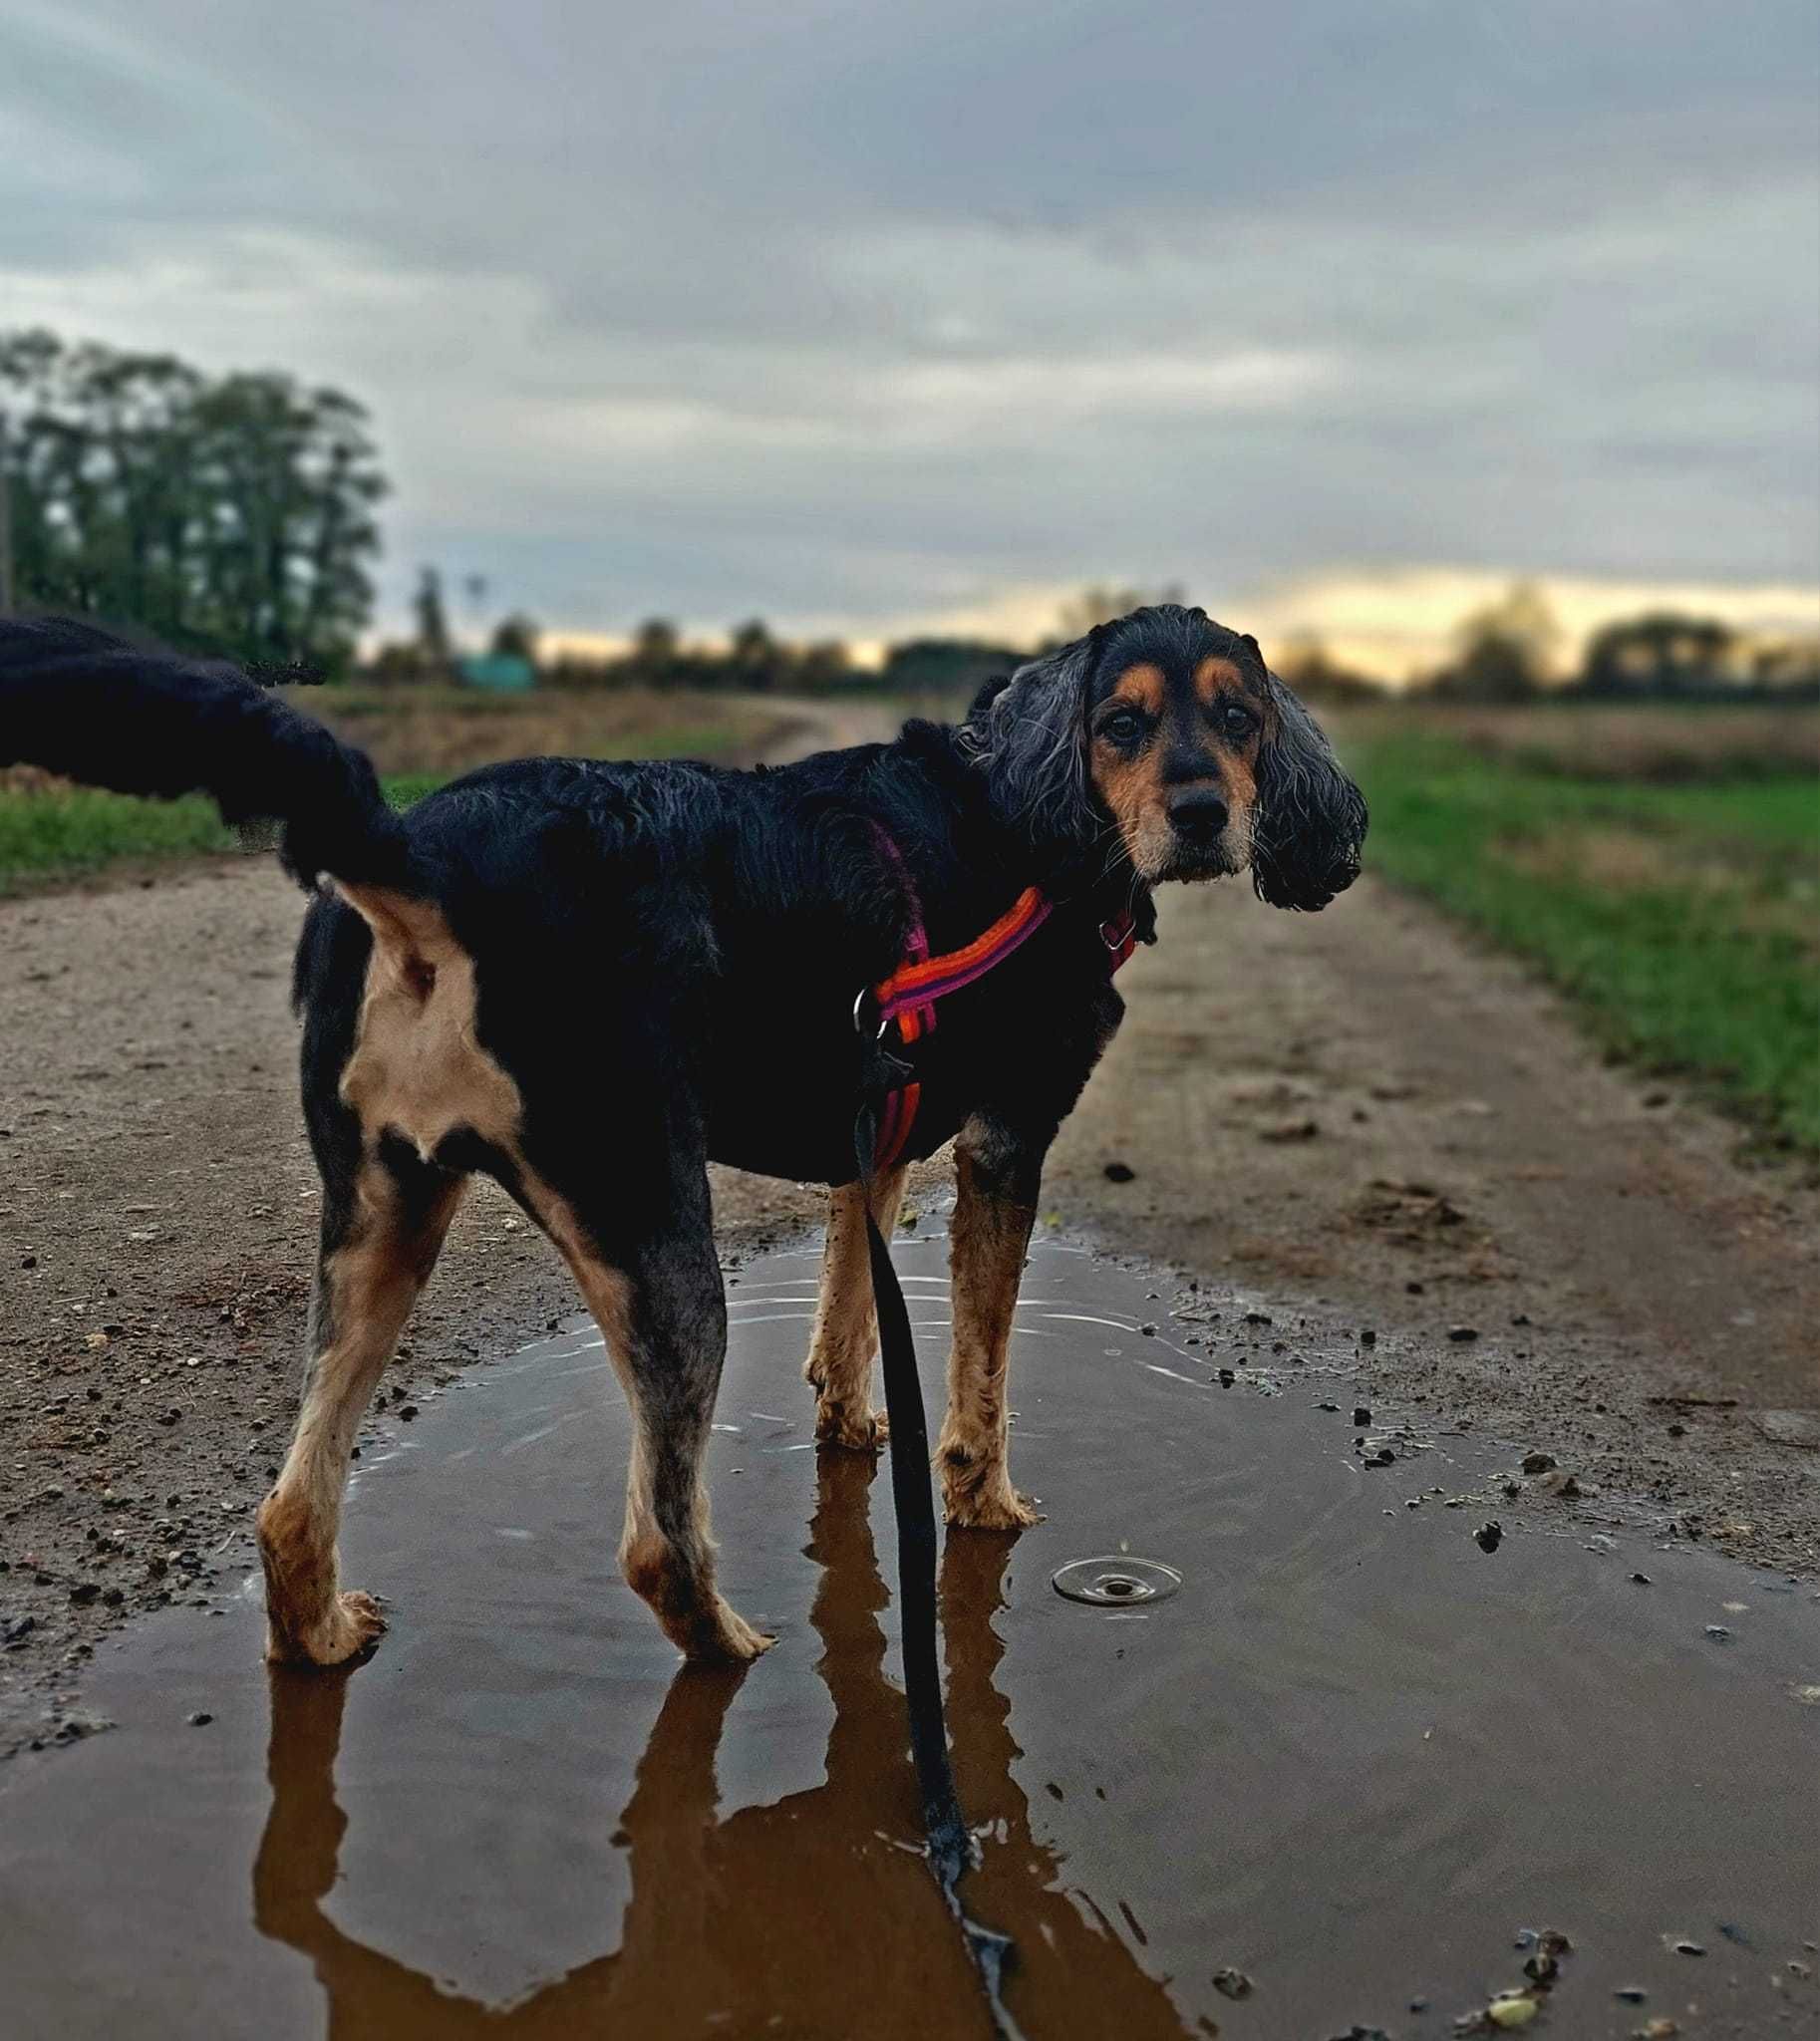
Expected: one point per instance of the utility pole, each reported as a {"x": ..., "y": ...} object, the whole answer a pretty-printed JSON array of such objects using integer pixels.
[{"x": 6, "y": 527}]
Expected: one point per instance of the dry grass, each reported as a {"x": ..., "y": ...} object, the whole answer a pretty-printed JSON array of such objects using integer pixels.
[
  {"x": 1647, "y": 742},
  {"x": 439, "y": 732}
]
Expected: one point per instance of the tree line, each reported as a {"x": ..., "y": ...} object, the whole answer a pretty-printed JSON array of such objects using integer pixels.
[
  {"x": 1509, "y": 652},
  {"x": 229, "y": 514}
]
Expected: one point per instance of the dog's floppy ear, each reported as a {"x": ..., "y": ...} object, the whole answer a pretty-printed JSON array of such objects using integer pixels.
[
  {"x": 1309, "y": 827},
  {"x": 1030, "y": 740}
]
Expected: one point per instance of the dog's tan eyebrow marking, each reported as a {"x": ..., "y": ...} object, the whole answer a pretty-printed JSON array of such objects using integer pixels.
[
  {"x": 1142, "y": 686},
  {"x": 1214, "y": 675}
]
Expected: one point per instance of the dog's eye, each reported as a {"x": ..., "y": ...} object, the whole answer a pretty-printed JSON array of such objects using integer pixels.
[
  {"x": 1237, "y": 722},
  {"x": 1122, "y": 726}
]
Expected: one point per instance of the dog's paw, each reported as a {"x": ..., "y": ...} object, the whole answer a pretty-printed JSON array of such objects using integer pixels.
[
  {"x": 993, "y": 1508},
  {"x": 354, "y": 1624},
  {"x": 859, "y": 1429},
  {"x": 728, "y": 1640}
]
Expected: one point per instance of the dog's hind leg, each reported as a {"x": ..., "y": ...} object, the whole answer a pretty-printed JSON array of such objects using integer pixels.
[
  {"x": 383, "y": 1224},
  {"x": 653, "y": 1282},
  {"x": 846, "y": 1326},
  {"x": 997, "y": 1181}
]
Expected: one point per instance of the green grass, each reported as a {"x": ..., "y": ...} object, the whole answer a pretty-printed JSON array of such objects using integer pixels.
[
  {"x": 66, "y": 832},
  {"x": 1683, "y": 921}
]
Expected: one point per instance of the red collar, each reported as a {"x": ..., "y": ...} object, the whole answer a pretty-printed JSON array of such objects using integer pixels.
[{"x": 909, "y": 995}]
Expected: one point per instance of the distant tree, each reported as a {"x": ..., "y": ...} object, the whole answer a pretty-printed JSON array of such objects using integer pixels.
[
  {"x": 756, "y": 657},
  {"x": 232, "y": 513},
  {"x": 1094, "y": 606},
  {"x": 656, "y": 655},
  {"x": 433, "y": 641},
  {"x": 1660, "y": 653},
  {"x": 1305, "y": 663},
  {"x": 822, "y": 665},
  {"x": 1505, "y": 652},
  {"x": 516, "y": 636}
]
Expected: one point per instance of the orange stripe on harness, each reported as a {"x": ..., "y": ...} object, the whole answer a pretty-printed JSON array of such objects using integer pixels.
[{"x": 908, "y": 996}]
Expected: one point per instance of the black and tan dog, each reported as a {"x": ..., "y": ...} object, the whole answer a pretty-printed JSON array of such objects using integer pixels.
[{"x": 588, "y": 980}]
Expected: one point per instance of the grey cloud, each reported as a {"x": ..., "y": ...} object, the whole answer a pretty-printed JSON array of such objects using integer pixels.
[{"x": 872, "y": 307}]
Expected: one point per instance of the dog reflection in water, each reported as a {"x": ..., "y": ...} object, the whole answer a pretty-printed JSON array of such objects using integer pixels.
[{"x": 802, "y": 1916}]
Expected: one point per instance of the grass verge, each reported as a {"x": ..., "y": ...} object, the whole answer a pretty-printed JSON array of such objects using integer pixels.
[{"x": 1683, "y": 921}]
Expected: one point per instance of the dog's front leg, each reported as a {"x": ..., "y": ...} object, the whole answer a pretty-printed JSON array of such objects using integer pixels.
[
  {"x": 997, "y": 1176},
  {"x": 846, "y": 1326}
]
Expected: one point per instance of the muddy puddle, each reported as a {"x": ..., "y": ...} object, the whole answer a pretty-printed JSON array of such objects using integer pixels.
[{"x": 1341, "y": 1769}]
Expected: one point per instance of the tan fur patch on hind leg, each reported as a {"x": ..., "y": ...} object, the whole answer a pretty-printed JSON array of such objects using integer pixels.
[
  {"x": 988, "y": 1240},
  {"x": 846, "y": 1338},
  {"x": 365, "y": 1291}
]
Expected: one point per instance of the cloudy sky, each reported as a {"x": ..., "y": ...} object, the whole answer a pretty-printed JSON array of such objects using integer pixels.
[{"x": 871, "y": 315}]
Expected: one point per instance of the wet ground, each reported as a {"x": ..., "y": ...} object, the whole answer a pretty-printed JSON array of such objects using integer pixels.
[{"x": 1349, "y": 1771}]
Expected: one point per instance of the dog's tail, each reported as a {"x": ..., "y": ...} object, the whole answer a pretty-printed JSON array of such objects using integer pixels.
[{"x": 83, "y": 704}]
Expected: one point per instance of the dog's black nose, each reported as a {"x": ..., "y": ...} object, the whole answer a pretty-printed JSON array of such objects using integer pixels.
[{"x": 1199, "y": 817}]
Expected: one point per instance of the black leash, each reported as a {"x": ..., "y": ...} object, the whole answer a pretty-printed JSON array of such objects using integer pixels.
[{"x": 948, "y": 1843}]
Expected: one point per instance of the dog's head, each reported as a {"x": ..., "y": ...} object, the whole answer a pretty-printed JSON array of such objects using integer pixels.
[{"x": 1165, "y": 738}]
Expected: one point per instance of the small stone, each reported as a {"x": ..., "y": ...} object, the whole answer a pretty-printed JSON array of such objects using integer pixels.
[
  {"x": 1642, "y": 1579},
  {"x": 1538, "y": 1463},
  {"x": 1462, "y": 1334},
  {"x": 1515, "y": 2009},
  {"x": 1230, "y": 1983},
  {"x": 1149, "y": 1331},
  {"x": 1718, "y": 1632},
  {"x": 407, "y": 1411},
  {"x": 1690, "y": 1949},
  {"x": 1658, "y": 2029},
  {"x": 1361, "y": 1415},
  {"x": 1367, "y": 1338},
  {"x": 1488, "y": 1537},
  {"x": 1120, "y": 1173},
  {"x": 1257, "y": 1318},
  {"x": 85, "y": 1592},
  {"x": 1631, "y": 1994},
  {"x": 200, "y": 1719}
]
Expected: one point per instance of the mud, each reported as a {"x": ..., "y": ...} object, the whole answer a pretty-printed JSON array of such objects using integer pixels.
[{"x": 1355, "y": 1761}]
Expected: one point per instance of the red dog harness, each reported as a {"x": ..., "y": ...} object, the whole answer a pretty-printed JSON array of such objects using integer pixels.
[{"x": 908, "y": 997}]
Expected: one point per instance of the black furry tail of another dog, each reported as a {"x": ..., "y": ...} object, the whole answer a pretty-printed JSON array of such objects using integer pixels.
[{"x": 83, "y": 704}]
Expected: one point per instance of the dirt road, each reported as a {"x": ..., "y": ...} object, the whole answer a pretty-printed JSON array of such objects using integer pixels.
[{"x": 1352, "y": 1123}]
